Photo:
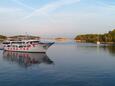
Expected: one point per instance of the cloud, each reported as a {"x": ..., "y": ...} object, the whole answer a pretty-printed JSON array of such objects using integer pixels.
[
  {"x": 9, "y": 10},
  {"x": 22, "y": 4},
  {"x": 50, "y": 7},
  {"x": 8, "y": 14}
]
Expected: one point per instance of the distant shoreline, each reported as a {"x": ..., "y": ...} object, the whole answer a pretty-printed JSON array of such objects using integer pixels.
[
  {"x": 82, "y": 41},
  {"x": 106, "y": 38}
]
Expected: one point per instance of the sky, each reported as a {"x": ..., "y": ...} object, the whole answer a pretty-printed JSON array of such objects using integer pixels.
[{"x": 56, "y": 18}]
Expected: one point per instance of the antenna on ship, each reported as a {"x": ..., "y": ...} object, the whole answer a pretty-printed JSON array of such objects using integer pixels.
[{"x": 27, "y": 36}]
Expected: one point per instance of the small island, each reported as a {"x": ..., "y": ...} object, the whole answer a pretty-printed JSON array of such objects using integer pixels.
[
  {"x": 62, "y": 39},
  {"x": 18, "y": 37},
  {"x": 107, "y": 38}
]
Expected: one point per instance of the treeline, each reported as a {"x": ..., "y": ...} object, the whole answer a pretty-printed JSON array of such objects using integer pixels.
[
  {"x": 2, "y": 37},
  {"x": 107, "y": 37},
  {"x": 18, "y": 37}
]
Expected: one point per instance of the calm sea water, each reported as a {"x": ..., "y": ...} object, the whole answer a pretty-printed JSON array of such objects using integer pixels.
[{"x": 64, "y": 64}]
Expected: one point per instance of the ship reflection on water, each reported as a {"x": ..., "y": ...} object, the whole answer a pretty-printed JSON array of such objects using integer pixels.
[{"x": 26, "y": 59}]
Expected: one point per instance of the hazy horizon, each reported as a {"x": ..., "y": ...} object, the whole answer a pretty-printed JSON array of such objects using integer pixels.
[{"x": 47, "y": 18}]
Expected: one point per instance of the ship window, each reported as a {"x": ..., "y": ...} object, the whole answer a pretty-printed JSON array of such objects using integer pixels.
[
  {"x": 28, "y": 45},
  {"x": 20, "y": 46},
  {"x": 13, "y": 42},
  {"x": 6, "y": 43},
  {"x": 24, "y": 46},
  {"x": 36, "y": 41},
  {"x": 18, "y": 42},
  {"x": 31, "y": 42},
  {"x": 14, "y": 46}
]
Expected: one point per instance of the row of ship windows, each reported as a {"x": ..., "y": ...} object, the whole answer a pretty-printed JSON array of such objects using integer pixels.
[
  {"x": 21, "y": 42},
  {"x": 18, "y": 46}
]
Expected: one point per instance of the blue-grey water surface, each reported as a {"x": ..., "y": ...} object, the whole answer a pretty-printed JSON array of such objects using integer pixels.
[{"x": 64, "y": 64}]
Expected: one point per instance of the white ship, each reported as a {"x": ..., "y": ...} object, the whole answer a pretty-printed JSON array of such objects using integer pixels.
[{"x": 33, "y": 46}]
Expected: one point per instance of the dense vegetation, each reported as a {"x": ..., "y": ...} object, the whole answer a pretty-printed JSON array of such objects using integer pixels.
[
  {"x": 18, "y": 37},
  {"x": 2, "y": 37},
  {"x": 23, "y": 36},
  {"x": 107, "y": 37}
]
